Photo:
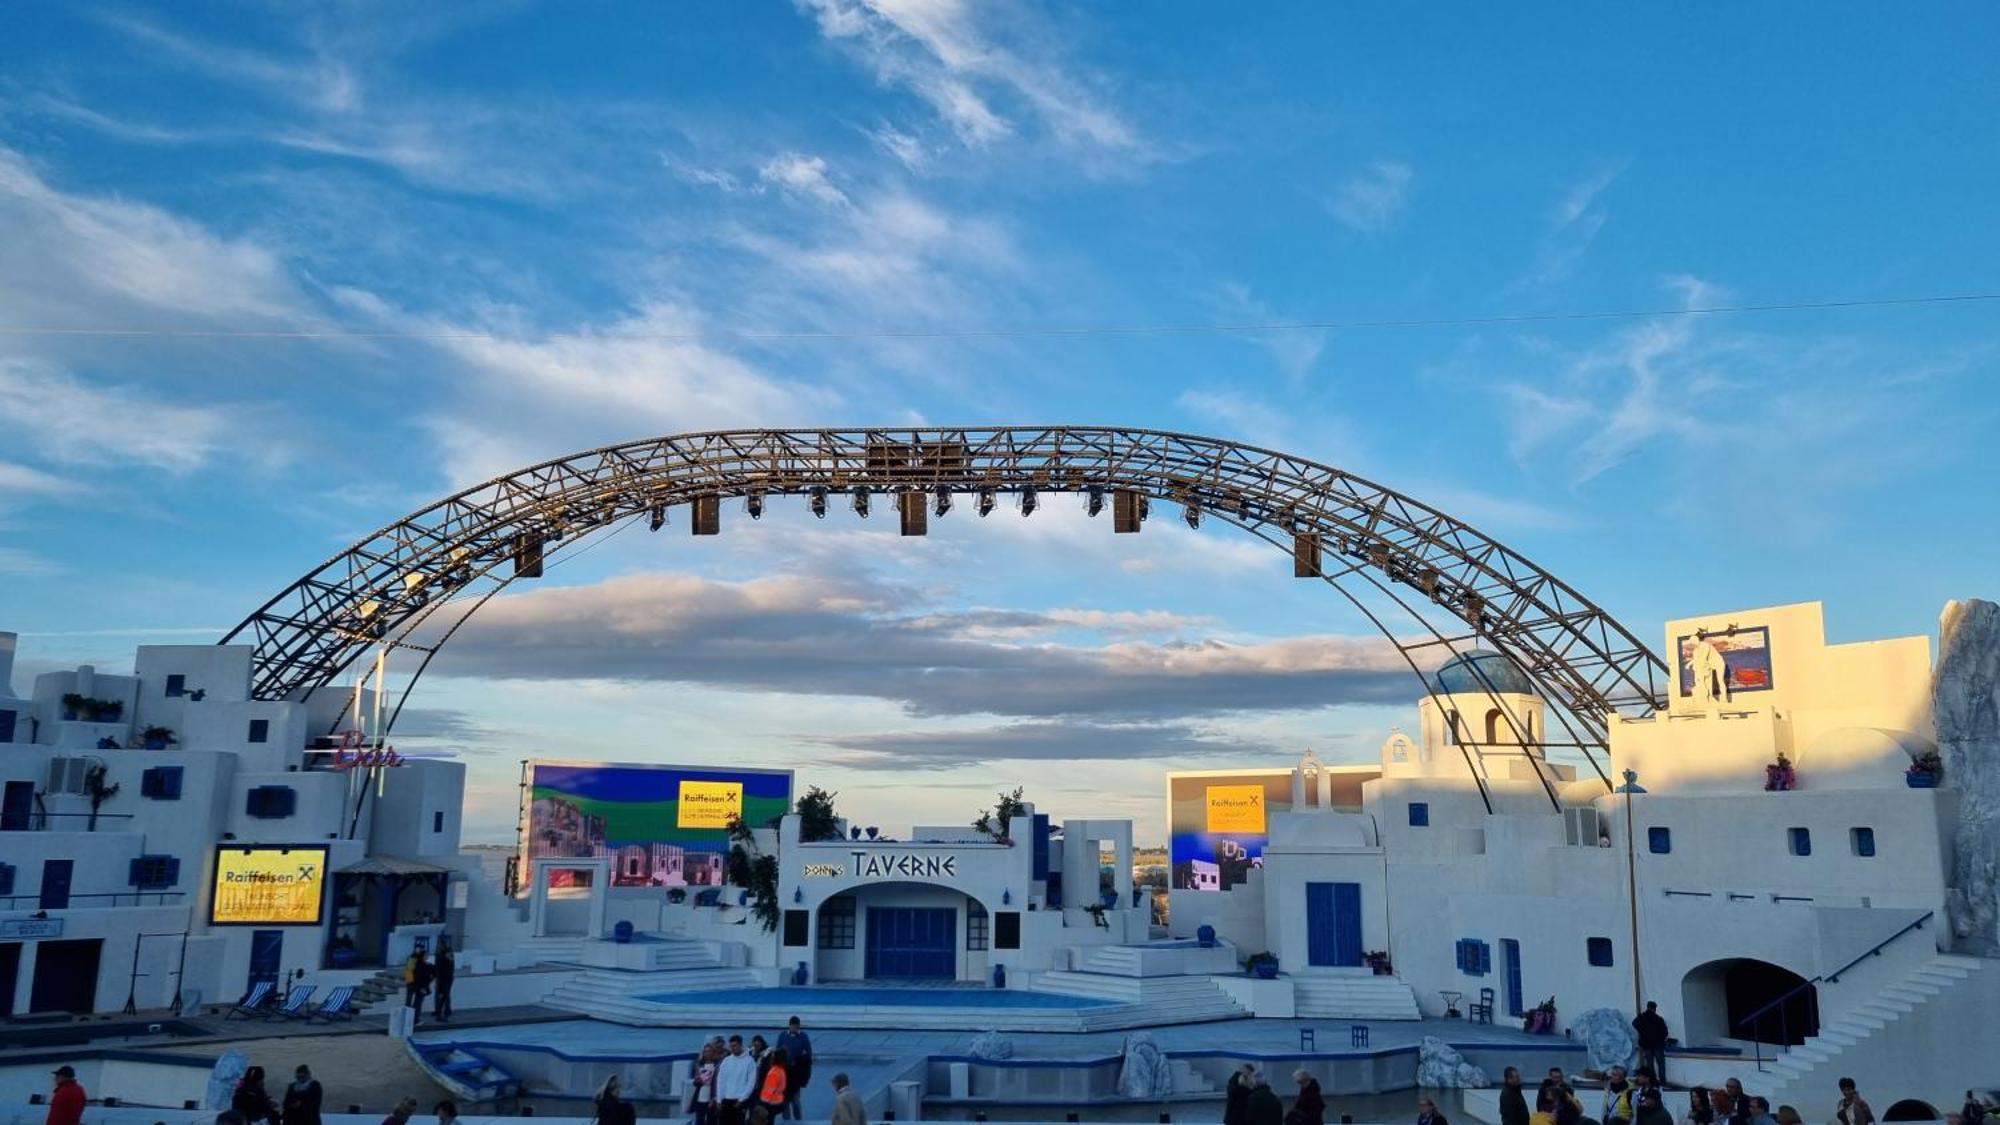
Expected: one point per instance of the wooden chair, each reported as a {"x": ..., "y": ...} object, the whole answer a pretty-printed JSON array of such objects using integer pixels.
[{"x": 1481, "y": 1010}]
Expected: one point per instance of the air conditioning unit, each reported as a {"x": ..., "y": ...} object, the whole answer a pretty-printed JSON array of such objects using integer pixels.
[
  {"x": 66, "y": 775},
  {"x": 1580, "y": 827}
]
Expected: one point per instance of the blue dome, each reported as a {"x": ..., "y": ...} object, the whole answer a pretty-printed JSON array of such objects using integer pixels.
[{"x": 1478, "y": 671}]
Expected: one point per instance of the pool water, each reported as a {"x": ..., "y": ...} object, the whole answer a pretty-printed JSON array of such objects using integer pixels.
[{"x": 835, "y": 995}]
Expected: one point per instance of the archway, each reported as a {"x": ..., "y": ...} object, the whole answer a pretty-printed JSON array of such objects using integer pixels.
[
  {"x": 1744, "y": 998},
  {"x": 1433, "y": 585},
  {"x": 899, "y": 930},
  {"x": 1911, "y": 1109}
]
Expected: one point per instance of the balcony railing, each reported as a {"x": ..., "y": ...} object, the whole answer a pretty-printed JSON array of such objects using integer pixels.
[
  {"x": 65, "y": 822},
  {"x": 97, "y": 900}
]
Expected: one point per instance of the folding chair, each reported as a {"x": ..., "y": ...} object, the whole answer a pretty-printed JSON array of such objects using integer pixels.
[
  {"x": 295, "y": 1002},
  {"x": 337, "y": 1006},
  {"x": 253, "y": 1001}
]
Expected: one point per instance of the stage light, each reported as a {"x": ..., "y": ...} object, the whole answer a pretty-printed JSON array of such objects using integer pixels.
[
  {"x": 941, "y": 500},
  {"x": 754, "y": 504},
  {"x": 817, "y": 500},
  {"x": 658, "y": 518},
  {"x": 985, "y": 502},
  {"x": 861, "y": 501},
  {"x": 1191, "y": 512},
  {"x": 1093, "y": 501},
  {"x": 1028, "y": 502}
]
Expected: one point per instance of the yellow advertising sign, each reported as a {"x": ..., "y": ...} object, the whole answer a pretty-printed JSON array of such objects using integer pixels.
[
  {"x": 1236, "y": 808},
  {"x": 268, "y": 886},
  {"x": 709, "y": 804}
]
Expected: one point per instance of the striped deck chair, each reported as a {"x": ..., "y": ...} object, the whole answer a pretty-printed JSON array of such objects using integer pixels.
[
  {"x": 253, "y": 1001},
  {"x": 295, "y": 1002},
  {"x": 338, "y": 1005}
]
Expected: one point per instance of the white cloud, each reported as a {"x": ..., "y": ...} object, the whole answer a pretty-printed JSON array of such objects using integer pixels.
[
  {"x": 24, "y": 564},
  {"x": 1374, "y": 198},
  {"x": 939, "y": 50},
  {"x": 1242, "y": 417},
  {"x": 19, "y": 481},
  {"x": 318, "y": 80},
  {"x": 801, "y": 176},
  {"x": 907, "y": 149},
  {"x": 1296, "y": 350},
  {"x": 83, "y": 423},
  {"x": 1574, "y": 222}
]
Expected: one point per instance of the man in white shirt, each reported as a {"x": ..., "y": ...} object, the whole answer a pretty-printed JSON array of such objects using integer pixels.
[{"x": 735, "y": 1082}]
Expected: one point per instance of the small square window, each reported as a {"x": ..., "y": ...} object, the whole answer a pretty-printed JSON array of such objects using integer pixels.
[
  {"x": 260, "y": 730},
  {"x": 1007, "y": 929},
  {"x": 1599, "y": 949},
  {"x": 1863, "y": 840},
  {"x": 1659, "y": 841},
  {"x": 1475, "y": 957},
  {"x": 177, "y": 684},
  {"x": 796, "y": 922},
  {"x": 1801, "y": 841},
  {"x": 977, "y": 926},
  {"x": 271, "y": 802},
  {"x": 437, "y": 825},
  {"x": 1420, "y": 814},
  {"x": 161, "y": 783},
  {"x": 836, "y": 923},
  {"x": 6, "y": 726},
  {"x": 155, "y": 872}
]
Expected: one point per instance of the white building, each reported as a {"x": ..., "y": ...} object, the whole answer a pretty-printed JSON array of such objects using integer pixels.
[
  {"x": 109, "y": 850},
  {"x": 1812, "y": 917}
]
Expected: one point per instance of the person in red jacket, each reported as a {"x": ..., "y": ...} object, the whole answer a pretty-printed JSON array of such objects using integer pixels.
[{"x": 66, "y": 1102}]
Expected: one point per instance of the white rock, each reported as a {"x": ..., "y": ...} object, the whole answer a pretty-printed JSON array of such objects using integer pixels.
[
  {"x": 1966, "y": 698},
  {"x": 1440, "y": 1066}
]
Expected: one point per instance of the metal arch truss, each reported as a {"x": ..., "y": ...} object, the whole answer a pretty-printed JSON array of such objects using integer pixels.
[{"x": 1387, "y": 553}]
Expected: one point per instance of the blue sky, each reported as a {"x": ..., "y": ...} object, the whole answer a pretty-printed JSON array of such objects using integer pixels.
[{"x": 519, "y": 201}]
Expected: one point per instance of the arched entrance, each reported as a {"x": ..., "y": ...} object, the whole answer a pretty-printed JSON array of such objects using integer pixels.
[
  {"x": 901, "y": 931},
  {"x": 1744, "y": 998},
  {"x": 1434, "y": 586},
  {"x": 1911, "y": 1109}
]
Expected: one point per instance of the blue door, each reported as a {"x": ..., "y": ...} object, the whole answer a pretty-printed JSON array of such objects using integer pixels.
[
  {"x": 55, "y": 883},
  {"x": 17, "y": 808},
  {"x": 1333, "y": 924},
  {"x": 1510, "y": 956},
  {"x": 266, "y": 950},
  {"x": 913, "y": 943}
]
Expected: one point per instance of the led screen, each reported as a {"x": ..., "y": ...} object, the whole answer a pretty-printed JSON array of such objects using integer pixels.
[
  {"x": 661, "y": 826},
  {"x": 268, "y": 886}
]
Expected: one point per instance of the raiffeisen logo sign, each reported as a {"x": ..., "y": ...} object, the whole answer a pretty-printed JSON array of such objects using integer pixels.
[
  {"x": 709, "y": 804},
  {"x": 1236, "y": 808}
]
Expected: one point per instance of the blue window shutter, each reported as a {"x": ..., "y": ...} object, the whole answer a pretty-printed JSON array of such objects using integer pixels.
[
  {"x": 135, "y": 873},
  {"x": 6, "y": 878},
  {"x": 1801, "y": 841},
  {"x": 1420, "y": 814},
  {"x": 1659, "y": 840},
  {"x": 1864, "y": 841},
  {"x": 1599, "y": 949},
  {"x": 173, "y": 872}
]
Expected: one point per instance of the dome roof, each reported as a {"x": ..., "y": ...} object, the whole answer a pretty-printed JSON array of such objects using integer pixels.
[{"x": 1475, "y": 672}]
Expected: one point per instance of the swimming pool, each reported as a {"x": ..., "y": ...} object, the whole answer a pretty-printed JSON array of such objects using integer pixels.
[{"x": 834, "y": 995}]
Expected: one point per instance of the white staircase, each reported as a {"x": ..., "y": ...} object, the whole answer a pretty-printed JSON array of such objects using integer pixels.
[
  {"x": 1872, "y": 1026},
  {"x": 568, "y": 950},
  {"x": 1356, "y": 996},
  {"x": 1113, "y": 960},
  {"x": 1178, "y": 999},
  {"x": 611, "y": 994},
  {"x": 1188, "y": 1080}
]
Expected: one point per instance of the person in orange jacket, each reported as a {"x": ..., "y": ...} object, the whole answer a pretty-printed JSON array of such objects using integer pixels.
[{"x": 776, "y": 1086}]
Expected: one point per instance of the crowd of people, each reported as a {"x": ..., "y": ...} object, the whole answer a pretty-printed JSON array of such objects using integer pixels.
[
  {"x": 423, "y": 977},
  {"x": 748, "y": 1083}
]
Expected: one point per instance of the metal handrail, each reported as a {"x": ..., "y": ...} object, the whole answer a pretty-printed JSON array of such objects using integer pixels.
[
  {"x": 1833, "y": 977},
  {"x": 89, "y": 899}
]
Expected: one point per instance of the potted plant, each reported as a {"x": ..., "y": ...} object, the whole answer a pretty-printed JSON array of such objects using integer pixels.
[
  {"x": 158, "y": 738},
  {"x": 1378, "y": 960},
  {"x": 1541, "y": 1019},
  {"x": 1263, "y": 966},
  {"x": 1925, "y": 772},
  {"x": 677, "y": 895},
  {"x": 1779, "y": 776},
  {"x": 73, "y": 706}
]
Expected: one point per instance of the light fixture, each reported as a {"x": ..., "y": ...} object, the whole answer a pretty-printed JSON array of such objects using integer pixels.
[
  {"x": 754, "y": 504},
  {"x": 1006, "y": 898},
  {"x": 1093, "y": 500},
  {"x": 657, "y": 518},
  {"x": 861, "y": 501},
  {"x": 941, "y": 500},
  {"x": 1191, "y": 512},
  {"x": 817, "y": 500},
  {"x": 985, "y": 502},
  {"x": 798, "y": 894},
  {"x": 1028, "y": 501}
]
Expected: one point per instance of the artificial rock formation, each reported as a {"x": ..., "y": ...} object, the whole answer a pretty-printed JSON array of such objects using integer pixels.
[
  {"x": 1145, "y": 1073},
  {"x": 1441, "y": 1067},
  {"x": 1607, "y": 1036},
  {"x": 1966, "y": 699}
]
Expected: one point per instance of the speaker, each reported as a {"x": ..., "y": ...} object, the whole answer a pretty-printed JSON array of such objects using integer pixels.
[
  {"x": 1128, "y": 511},
  {"x": 1305, "y": 555},
  {"x": 527, "y": 555},
  {"x": 916, "y": 517},
  {"x": 707, "y": 516}
]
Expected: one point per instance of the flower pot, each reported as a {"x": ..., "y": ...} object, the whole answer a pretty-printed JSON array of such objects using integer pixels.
[
  {"x": 1918, "y": 779},
  {"x": 1265, "y": 970},
  {"x": 156, "y": 744}
]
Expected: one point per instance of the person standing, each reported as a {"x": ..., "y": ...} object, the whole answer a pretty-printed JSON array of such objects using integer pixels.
[
  {"x": 446, "y": 1112},
  {"x": 1760, "y": 1112},
  {"x": 1513, "y": 1101},
  {"x": 1236, "y": 1095},
  {"x": 1651, "y": 1110},
  {"x": 1427, "y": 1113},
  {"x": 302, "y": 1098},
  {"x": 67, "y": 1099},
  {"x": 774, "y": 1085},
  {"x": 735, "y": 1083},
  {"x": 417, "y": 975},
  {"x": 612, "y": 1108},
  {"x": 701, "y": 1086},
  {"x": 1545, "y": 1106},
  {"x": 252, "y": 1100},
  {"x": 1265, "y": 1108},
  {"x": 401, "y": 1114},
  {"x": 847, "y": 1107},
  {"x": 1617, "y": 1099},
  {"x": 1651, "y": 1028},
  {"x": 444, "y": 972},
  {"x": 1309, "y": 1108},
  {"x": 798, "y": 1049},
  {"x": 1853, "y": 1108}
]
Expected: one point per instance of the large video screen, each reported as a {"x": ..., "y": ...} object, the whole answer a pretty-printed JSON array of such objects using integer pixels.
[
  {"x": 1219, "y": 822},
  {"x": 662, "y": 826},
  {"x": 268, "y": 886}
]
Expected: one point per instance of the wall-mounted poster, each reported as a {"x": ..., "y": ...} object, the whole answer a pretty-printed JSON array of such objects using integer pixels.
[
  {"x": 662, "y": 826},
  {"x": 1738, "y": 657},
  {"x": 268, "y": 886}
]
